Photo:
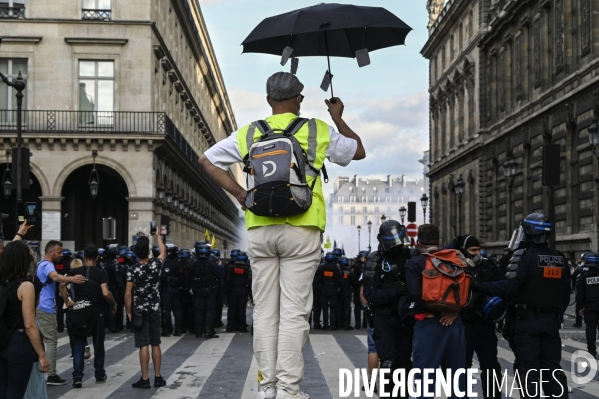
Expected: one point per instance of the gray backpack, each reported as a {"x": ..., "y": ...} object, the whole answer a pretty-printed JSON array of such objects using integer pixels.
[{"x": 276, "y": 168}]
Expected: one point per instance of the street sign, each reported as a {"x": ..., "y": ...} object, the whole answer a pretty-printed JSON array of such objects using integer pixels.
[{"x": 412, "y": 229}]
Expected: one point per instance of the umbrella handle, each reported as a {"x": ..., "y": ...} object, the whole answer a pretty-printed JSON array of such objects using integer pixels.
[
  {"x": 326, "y": 42},
  {"x": 332, "y": 100}
]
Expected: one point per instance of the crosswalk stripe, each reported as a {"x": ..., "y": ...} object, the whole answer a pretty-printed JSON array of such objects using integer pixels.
[
  {"x": 331, "y": 358},
  {"x": 117, "y": 375},
  {"x": 191, "y": 376},
  {"x": 66, "y": 362},
  {"x": 250, "y": 388}
]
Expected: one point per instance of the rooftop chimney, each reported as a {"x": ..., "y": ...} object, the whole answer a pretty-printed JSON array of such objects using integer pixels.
[
  {"x": 357, "y": 180},
  {"x": 390, "y": 180}
]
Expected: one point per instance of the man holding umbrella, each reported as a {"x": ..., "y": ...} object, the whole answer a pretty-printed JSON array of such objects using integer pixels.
[{"x": 284, "y": 250}]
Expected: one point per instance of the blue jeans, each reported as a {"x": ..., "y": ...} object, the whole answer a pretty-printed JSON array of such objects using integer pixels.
[
  {"x": 79, "y": 344},
  {"x": 16, "y": 363},
  {"x": 438, "y": 346}
]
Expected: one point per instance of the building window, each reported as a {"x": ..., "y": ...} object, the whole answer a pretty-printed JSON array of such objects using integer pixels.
[
  {"x": 353, "y": 220},
  {"x": 374, "y": 189},
  {"x": 388, "y": 209},
  {"x": 376, "y": 209},
  {"x": 341, "y": 220},
  {"x": 96, "y": 92},
  {"x": 96, "y": 9},
  {"x": 340, "y": 209},
  {"x": 12, "y": 9},
  {"x": 364, "y": 219},
  {"x": 353, "y": 209},
  {"x": 8, "y": 101},
  {"x": 377, "y": 198},
  {"x": 365, "y": 209},
  {"x": 339, "y": 198},
  {"x": 364, "y": 198},
  {"x": 352, "y": 198}
]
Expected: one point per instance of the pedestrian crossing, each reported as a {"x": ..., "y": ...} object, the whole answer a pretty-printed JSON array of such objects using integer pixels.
[{"x": 225, "y": 367}]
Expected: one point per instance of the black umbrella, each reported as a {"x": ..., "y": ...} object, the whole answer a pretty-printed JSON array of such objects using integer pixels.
[{"x": 337, "y": 30}]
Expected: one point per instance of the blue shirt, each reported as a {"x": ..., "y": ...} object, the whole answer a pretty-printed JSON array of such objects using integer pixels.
[{"x": 48, "y": 294}]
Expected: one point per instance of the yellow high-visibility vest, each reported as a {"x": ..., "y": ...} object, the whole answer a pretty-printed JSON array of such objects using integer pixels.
[{"x": 314, "y": 138}]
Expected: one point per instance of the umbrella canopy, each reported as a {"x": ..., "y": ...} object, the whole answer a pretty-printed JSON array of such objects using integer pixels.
[{"x": 337, "y": 30}]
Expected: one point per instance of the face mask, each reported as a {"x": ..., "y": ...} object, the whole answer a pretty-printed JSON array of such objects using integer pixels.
[{"x": 477, "y": 259}]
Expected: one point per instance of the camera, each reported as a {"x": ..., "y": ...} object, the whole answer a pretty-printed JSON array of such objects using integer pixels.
[{"x": 153, "y": 227}]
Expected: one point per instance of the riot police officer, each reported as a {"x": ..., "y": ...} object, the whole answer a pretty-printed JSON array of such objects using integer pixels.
[
  {"x": 205, "y": 277},
  {"x": 316, "y": 306},
  {"x": 384, "y": 287},
  {"x": 238, "y": 280},
  {"x": 62, "y": 267},
  {"x": 581, "y": 268},
  {"x": 344, "y": 309},
  {"x": 480, "y": 316},
  {"x": 587, "y": 294},
  {"x": 538, "y": 278},
  {"x": 170, "y": 292},
  {"x": 357, "y": 270},
  {"x": 329, "y": 281}
]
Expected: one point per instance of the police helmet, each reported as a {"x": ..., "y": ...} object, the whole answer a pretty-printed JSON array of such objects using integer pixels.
[
  {"x": 198, "y": 244},
  {"x": 101, "y": 252},
  {"x": 537, "y": 228},
  {"x": 344, "y": 261},
  {"x": 242, "y": 256},
  {"x": 203, "y": 251},
  {"x": 112, "y": 249},
  {"x": 184, "y": 253},
  {"x": 483, "y": 253},
  {"x": 155, "y": 252},
  {"x": 330, "y": 257},
  {"x": 492, "y": 309},
  {"x": 591, "y": 259},
  {"x": 391, "y": 235},
  {"x": 66, "y": 253},
  {"x": 79, "y": 254},
  {"x": 362, "y": 254},
  {"x": 122, "y": 249},
  {"x": 338, "y": 252},
  {"x": 132, "y": 248},
  {"x": 171, "y": 250},
  {"x": 234, "y": 253},
  {"x": 130, "y": 258},
  {"x": 216, "y": 253}
]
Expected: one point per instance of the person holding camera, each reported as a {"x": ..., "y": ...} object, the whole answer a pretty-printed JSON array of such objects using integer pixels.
[{"x": 142, "y": 301}]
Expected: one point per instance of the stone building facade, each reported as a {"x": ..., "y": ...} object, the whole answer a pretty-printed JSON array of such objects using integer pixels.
[
  {"x": 132, "y": 87},
  {"x": 357, "y": 201},
  {"x": 532, "y": 67}
]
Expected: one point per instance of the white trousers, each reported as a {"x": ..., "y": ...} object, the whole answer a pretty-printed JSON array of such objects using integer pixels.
[{"x": 284, "y": 259}]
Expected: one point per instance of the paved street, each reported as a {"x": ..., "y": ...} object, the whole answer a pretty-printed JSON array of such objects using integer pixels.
[{"x": 225, "y": 367}]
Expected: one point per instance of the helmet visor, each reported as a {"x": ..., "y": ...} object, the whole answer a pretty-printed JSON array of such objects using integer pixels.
[{"x": 392, "y": 237}]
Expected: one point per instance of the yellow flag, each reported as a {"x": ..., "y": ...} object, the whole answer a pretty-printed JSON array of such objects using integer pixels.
[
  {"x": 206, "y": 236},
  {"x": 328, "y": 243},
  {"x": 213, "y": 243}
]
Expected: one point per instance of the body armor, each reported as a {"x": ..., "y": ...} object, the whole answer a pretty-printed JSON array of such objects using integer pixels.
[
  {"x": 544, "y": 286},
  {"x": 202, "y": 275},
  {"x": 239, "y": 274},
  {"x": 328, "y": 274},
  {"x": 390, "y": 272},
  {"x": 591, "y": 280}
]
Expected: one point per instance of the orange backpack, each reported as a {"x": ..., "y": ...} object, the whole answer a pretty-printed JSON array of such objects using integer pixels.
[{"x": 445, "y": 283}]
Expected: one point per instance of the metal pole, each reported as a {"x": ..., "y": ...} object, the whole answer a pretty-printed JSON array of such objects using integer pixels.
[
  {"x": 551, "y": 201},
  {"x": 459, "y": 222},
  {"x": 358, "y": 240},
  {"x": 369, "y": 235}
]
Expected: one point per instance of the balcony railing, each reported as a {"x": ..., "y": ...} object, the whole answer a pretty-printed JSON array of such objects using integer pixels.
[
  {"x": 85, "y": 121},
  {"x": 11, "y": 12},
  {"x": 96, "y": 14}
]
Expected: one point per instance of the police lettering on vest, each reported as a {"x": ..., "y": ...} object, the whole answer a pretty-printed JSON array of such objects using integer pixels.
[{"x": 592, "y": 280}]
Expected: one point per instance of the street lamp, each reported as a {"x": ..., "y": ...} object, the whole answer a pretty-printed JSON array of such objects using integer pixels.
[
  {"x": 369, "y": 235},
  {"x": 359, "y": 229},
  {"x": 424, "y": 203},
  {"x": 175, "y": 201},
  {"x": 161, "y": 191},
  {"x": 402, "y": 213},
  {"x": 459, "y": 191},
  {"x": 94, "y": 179},
  {"x": 169, "y": 197},
  {"x": 383, "y": 218}
]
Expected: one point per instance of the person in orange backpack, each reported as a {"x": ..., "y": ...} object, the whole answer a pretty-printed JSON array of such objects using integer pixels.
[{"x": 439, "y": 339}]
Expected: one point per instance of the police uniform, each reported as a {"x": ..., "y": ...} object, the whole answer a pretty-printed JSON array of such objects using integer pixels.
[
  {"x": 384, "y": 287},
  {"x": 218, "y": 309},
  {"x": 587, "y": 295},
  {"x": 238, "y": 280},
  {"x": 579, "y": 302},
  {"x": 316, "y": 306},
  {"x": 538, "y": 279},
  {"x": 205, "y": 277},
  {"x": 344, "y": 308},
  {"x": 357, "y": 270},
  {"x": 170, "y": 296},
  {"x": 329, "y": 281}
]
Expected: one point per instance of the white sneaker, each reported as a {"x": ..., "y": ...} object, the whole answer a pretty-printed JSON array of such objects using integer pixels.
[
  {"x": 270, "y": 393},
  {"x": 282, "y": 394}
]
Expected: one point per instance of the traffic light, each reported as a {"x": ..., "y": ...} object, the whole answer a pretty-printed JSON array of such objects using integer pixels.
[{"x": 411, "y": 212}]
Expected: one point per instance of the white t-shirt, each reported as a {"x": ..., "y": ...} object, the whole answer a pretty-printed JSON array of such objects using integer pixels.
[{"x": 341, "y": 150}]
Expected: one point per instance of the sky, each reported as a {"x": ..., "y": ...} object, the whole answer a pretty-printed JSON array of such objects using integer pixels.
[{"x": 386, "y": 103}]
